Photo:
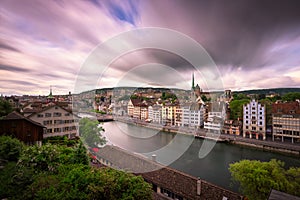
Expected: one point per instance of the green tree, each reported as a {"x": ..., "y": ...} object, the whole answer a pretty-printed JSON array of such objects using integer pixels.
[
  {"x": 291, "y": 96},
  {"x": 257, "y": 178},
  {"x": 10, "y": 148},
  {"x": 236, "y": 108},
  {"x": 5, "y": 108},
  {"x": 90, "y": 132},
  {"x": 240, "y": 96}
]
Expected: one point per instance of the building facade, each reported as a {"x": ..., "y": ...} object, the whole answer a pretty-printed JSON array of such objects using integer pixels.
[
  {"x": 254, "y": 120},
  {"x": 59, "y": 122},
  {"x": 154, "y": 114},
  {"x": 286, "y": 121}
]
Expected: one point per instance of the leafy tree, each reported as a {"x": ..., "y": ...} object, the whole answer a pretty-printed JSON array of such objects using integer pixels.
[
  {"x": 5, "y": 108},
  {"x": 90, "y": 132},
  {"x": 236, "y": 108},
  {"x": 240, "y": 96},
  {"x": 10, "y": 148},
  {"x": 291, "y": 96},
  {"x": 257, "y": 178}
]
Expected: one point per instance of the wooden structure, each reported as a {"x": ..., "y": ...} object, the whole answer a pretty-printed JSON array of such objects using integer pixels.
[{"x": 22, "y": 128}]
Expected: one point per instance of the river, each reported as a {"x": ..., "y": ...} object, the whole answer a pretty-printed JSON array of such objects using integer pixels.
[{"x": 181, "y": 152}]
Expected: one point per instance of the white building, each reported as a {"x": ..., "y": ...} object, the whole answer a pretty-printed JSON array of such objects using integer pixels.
[
  {"x": 193, "y": 115},
  {"x": 254, "y": 120},
  {"x": 154, "y": 114},
  {"x": 216, "y": 117},
  {"x": 59, "y": 121}
]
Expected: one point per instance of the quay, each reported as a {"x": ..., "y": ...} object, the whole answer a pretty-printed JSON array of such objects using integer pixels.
[{"x": 279, "y": 147}]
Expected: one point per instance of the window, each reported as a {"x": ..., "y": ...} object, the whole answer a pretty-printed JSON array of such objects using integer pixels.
[
  {"x": 40, "y": 115},
  {"x": 247, "y": 127},
  {"x": 246, "y": 121},
  {"x": 246, "y": 116},
  {"x": 56, "y": 114},
  {"x": 67, "y": 114},
  {"x": 253, "y": 122},
  {"x": 260, "y": 129},
  {"x": 260, "y": 123},
  {"x": 253, "y": 128},
  {"x": 260, "y": 113},
  {"x": 49, "y": 130},
  {"x": 47, "y": 114}
]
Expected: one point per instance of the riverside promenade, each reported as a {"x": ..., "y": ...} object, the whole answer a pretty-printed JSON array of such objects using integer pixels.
[{"x": 275, "y": 146}]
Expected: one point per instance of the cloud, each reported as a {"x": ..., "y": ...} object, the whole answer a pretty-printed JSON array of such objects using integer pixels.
[
  {"x": 13, "y": 68},
  {"x": 47, "y": 42}
]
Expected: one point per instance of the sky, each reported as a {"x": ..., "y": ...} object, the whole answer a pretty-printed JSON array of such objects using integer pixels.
[{"x": 254, "y": 44}]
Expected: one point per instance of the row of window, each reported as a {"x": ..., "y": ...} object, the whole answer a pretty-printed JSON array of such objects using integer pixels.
[
  {"x": 254, "y": 128},
  {"x": 59, "y": 130},
  {"x": 287, "y": 132},
  {"x": 55, "y": 114},
  {"x": 253, "y": 113},
  {"x": 254, "y": 122},
  {"x": 47, "y": 122}
]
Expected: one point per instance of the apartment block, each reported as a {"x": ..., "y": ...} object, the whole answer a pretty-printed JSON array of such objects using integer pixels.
[
  {"x": 286, "y": 121},
  {"x": 254, "y": 120}
]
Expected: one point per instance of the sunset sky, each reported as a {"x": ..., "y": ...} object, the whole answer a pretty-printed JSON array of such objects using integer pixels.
[{"x": 255, "y": 44}]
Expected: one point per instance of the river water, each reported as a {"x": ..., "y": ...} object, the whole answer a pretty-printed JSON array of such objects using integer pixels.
[{"x": 197, "y": 157}]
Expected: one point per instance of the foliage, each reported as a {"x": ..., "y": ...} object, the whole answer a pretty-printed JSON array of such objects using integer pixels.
[
  {"x": 90, "y": 132},
  {"x": 240, "y": 96},
  {"x": 236, "y": 108},
  {"x": 258, "y": 178},
  {"x": 5, "y": 107},
  {"x": 10, "y": 148},
  {"x": 61, "y": 172},
  {"x": 61, "y": 140},
  {"x": 83, "y": 182},
  {"x": 205, "y": 99},
  {"x": 291, "y": 96},
  {"x": 167, "y": 95}
]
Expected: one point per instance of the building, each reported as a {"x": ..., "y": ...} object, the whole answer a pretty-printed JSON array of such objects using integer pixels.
[
  {"x": 59, "y": 121},
  {"x": 138, "y": 109},
  {"x": 286, "y": 121},
  {"x": 154, "y": 114},
  {"x": 232, "y": 127},
  {"x": 216, "y": 116},
  {"x": 254, "y": 120},
  {"x": 26, "y": 130},
  {"x": 168, "y": 114},
  {"x": 192, "y": 115}
]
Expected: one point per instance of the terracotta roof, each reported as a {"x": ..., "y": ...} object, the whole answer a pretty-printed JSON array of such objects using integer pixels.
[{"x": 17, "y": 116}]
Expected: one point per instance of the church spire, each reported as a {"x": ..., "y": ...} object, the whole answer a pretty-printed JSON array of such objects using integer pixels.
[{"x": 193, "y": 82}]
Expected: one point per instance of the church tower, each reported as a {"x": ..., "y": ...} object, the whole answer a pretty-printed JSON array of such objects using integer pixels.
[{"x": 193, "y": 82}]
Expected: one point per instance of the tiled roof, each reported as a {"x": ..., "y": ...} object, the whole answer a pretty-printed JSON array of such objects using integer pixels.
[{"x": 17, "y": 116}]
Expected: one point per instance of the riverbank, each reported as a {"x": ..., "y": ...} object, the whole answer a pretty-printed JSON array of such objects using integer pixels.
[{"x": 283, "y": 148}]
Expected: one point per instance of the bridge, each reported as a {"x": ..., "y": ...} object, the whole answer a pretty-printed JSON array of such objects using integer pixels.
[{"x": 105, "y": 118}]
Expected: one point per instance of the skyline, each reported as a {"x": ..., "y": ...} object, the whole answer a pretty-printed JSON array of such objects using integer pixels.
[{"x": 255, "y": 44}]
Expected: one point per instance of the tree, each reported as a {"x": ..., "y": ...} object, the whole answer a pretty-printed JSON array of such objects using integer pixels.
[
  {"x": 10, "y": 148},
  {"x": 236, "y": 108},
  {"x": 90, "y": 132},
  {"x": 291, "y": 96},
  {"x": 240, "y": 96},
  {"x": 5, "y": 108},
  {"x": 257, "y": 178}
]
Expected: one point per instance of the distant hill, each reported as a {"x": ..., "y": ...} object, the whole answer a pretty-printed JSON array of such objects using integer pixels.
[{"x": 280, "y": 91}]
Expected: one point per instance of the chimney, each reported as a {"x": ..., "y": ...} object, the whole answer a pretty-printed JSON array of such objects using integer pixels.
[
  {"x": 199, "y": 186},
  {"x": 154, "y": 157}
]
